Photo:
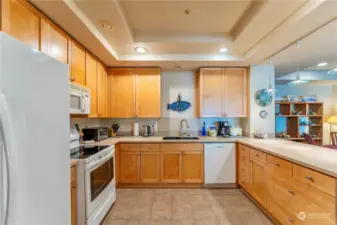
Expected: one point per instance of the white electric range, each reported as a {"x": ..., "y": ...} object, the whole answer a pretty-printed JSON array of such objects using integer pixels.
[{"x": 96, "y": 183}]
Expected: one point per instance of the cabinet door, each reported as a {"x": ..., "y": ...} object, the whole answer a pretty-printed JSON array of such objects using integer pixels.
[
  {"x": 171, "y": 167},
  {"x": 235, "y": 92},
  {"x": 147, "y": 92},
  {"x": 53, "y": 42},
  {"x": 91, "y": 81},
  {"x": 193, "y": 166},
  {"x": 130, "y": 167},
  {"x": 258, "y": 182},
  {"x": 150, "y": 167},
  {"x": 211, "y": 85},
  {"x": 121, "y": 93},
  {"x": 77, "y": 63},
  {"x": 21, "y": 23},
  {"x": 102, "y": 91}
]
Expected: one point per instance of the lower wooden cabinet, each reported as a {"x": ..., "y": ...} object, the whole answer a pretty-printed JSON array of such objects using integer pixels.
[
  {"x": 290, "y": 193},
  {"x": 150, "y": 166},
  {"x": 73, "y": 194},
  {"x": 258, "y": 191},
  {"x": 160, "y": 164},
  {"x": 171, "y": 167},
  {"x": 130, "y": 167}
]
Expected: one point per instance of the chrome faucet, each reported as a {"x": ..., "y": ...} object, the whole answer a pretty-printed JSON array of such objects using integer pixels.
[{"x": 184, "y": 133}]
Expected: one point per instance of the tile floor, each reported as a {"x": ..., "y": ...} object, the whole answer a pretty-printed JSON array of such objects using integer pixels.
[{"x": 184, "y": 207}]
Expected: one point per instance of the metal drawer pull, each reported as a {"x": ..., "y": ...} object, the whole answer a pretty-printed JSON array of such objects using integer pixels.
[
  {"x": 310, "y": 178},
  {"x": 278, "y": 165},
  {"x": 291, "y": 192},
  {"x": 291, "y": 220}
]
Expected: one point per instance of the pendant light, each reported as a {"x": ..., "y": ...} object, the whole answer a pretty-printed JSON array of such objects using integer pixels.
[
  {"x": 298, "y": 80},
  {"x": 270, "y": 87}
]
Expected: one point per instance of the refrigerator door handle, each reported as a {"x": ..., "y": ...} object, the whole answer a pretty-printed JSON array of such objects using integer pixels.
[
  {"x": 6, "y": 155},
  {"x": 83, "y": 103}
]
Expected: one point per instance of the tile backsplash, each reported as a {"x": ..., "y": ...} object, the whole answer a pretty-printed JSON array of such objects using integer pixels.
[{"x": 166, "y": 126}]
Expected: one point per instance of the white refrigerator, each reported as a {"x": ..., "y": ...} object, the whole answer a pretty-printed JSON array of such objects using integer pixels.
[{"x": 34, "y": 137}]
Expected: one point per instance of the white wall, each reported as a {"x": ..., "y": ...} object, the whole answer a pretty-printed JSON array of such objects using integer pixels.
[
  {"x": 172, "y": 83},
  {"x": 259, "y": 79},
  {"x": 325, "y": 93}
]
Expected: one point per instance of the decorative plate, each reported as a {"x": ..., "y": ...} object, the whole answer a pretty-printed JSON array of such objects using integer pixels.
[
  {"x": 263, "y": 114},
  {"x": 264, "y": 97}
]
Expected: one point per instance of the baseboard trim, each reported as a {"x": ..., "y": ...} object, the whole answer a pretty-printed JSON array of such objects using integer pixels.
[{"x": 220, "y": 186}]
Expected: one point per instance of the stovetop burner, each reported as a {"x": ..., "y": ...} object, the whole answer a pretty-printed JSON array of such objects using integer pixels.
[{"x": 83, "y": 152}]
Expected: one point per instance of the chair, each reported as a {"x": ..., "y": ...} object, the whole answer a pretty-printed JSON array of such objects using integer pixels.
[
  {"x": 334, "y": 138},
  {"x": 309, "y": 139}
]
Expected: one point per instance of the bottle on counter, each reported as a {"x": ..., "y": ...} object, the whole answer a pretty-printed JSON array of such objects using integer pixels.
[
  {"x": 203, "y": 130},
  {"x": 136, "y": 129}
]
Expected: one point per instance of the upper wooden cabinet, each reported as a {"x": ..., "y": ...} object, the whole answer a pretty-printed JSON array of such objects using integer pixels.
[
  {"x": 20, "y": 22},
  {"x": 121, "y": 93},
  {"x": 91, "y": 82},
  {"x": 76, "y": 63},
  {"x": 102, "y": 91},
  {"x": 53, "y": 42},
  {"x": 222, "y": 92},
  {"x": 134, "y": 92},
  {"x": 147, "y": 92}
]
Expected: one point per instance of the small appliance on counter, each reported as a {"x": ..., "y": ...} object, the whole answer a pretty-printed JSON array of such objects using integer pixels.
[
  {"x": 224, "y": 129},
  {"x": 148, "y": 130},
  {"x": 95, "y": 133},
  {"x": 235, "y": 131}
]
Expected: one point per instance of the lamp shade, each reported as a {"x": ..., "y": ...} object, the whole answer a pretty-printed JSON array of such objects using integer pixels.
[{"x": 332, "y": 120}]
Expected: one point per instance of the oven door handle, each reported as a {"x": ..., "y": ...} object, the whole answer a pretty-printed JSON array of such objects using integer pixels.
[{"x": 101, "y": 160}]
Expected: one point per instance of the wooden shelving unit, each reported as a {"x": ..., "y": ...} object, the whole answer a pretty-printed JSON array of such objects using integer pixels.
[{"x": 290, "y": 114}]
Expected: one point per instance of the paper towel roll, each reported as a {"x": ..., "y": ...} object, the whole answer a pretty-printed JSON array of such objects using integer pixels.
[{"x": 136, "y": 129}]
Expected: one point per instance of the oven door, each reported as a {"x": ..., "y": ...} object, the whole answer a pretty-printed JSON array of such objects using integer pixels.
[
  {"x": 76, "y": 102},
  {"x": 99, "y": 182}
]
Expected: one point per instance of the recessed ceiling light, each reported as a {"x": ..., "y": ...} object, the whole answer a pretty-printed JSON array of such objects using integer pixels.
[
  {"x": 322, "y": 64},
  {"x": 105, "y": 24},
  {"x": 223, "y": 49},
  {"x": 141, "y": 49}
]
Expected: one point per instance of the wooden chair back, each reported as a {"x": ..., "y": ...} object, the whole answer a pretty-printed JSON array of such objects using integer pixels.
[
  {"x": 334, "y": 138},
  {"x": 309, "y": 139}
]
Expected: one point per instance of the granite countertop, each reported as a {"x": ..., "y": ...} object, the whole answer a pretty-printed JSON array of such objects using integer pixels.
[{"x": 317, "y": 158}]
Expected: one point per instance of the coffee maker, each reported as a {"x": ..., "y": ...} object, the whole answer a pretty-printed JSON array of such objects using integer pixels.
[{"x": 223, "y": 129}]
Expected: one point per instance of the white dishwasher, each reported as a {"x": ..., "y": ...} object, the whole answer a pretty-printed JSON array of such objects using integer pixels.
[{"x": 220, "y": 163}]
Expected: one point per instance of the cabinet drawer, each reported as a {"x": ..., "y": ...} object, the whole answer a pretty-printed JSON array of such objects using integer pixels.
[
  {"x": 257, "y": 155},
  {"x": 318, "y": 180},
  {"x": 243, "y": 152},
  {"x": 150, "y": 147},
  {"x": 73, "y": 173},
  {"x": 129, "y": 147},
  {"x": 281, "y": 214},
  {"x": 182, "y": 147},
  {"x": 279, "y": 166}
]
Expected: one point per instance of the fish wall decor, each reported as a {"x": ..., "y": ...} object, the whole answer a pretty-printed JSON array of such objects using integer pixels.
[{"x": 178, "y": 105}]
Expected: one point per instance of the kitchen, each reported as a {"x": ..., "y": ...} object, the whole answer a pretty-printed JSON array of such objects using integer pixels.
[{"x": 170, "y": 122}]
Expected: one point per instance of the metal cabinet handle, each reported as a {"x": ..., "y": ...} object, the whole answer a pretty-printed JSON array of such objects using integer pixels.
[
  {"x": 291, "y": 192},
  {"x": 310, "y": 178},
  {"x": 278, "y": 165},
  {"x": 291, "y": 220}
]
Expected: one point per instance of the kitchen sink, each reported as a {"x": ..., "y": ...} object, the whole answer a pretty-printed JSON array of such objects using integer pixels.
[{"x": 180, "y": 138}]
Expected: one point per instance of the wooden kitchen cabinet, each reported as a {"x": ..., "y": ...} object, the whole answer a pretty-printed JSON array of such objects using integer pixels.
[
  {"x": 102, "y": 91},
  {"x": 73, "y": 194},
  {"x": 53, "y": 42},
  {"x": 129, "y": 166},
  {"x": 147, "y": 94},
  {"x": 134, "y": 92},
  {"x": 76, "y": 63},
  {"x": 92, "y": 84},
  {"x": 121, "y": 92},
  {"x": 243, "y": 166},
  {"x": 150, "y": 166},
  {"x": 222, "y": 92},
  {"x": 258, "y": 190},
  {"x": 20, "y": 22},
  {"x": 193, "y": 166},
  {"x": 171, "y": 167}
]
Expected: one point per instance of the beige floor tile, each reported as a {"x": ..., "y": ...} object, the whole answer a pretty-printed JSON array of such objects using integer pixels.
[
  {"x": 183, "y": 222},
  {"x": 207, "y": 221},
  {"x": 182, "y": 212},
  {"x": 161, "y": 214},
  {"x": 203, "y": 213},
  {"x": 160, "y": 222}
]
